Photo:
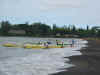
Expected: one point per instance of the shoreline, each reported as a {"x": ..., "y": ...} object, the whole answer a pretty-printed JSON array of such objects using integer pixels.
[{"x": 86, "y": 64}]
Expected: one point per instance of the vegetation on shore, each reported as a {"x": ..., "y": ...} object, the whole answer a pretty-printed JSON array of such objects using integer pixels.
[{"x": 40, "y": 29}]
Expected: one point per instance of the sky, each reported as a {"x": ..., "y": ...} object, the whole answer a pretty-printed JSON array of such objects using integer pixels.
[{"x": 60, "y": 12}]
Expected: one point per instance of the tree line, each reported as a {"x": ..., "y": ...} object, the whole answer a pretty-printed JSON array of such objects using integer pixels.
[{"x": 41, "y": 29}]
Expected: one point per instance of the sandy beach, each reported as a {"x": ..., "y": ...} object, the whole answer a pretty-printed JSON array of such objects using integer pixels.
[{"x": 86, "y": 64}]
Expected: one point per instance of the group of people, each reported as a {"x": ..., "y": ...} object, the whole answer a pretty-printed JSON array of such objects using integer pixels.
[
  {"x": 62, "y": 43},
  {"x": 46, "y": 44},
  {"x": 58, "y": 43}
]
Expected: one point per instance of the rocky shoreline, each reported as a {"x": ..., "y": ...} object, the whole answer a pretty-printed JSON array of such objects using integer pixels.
[{"x": 86, "y": 64}]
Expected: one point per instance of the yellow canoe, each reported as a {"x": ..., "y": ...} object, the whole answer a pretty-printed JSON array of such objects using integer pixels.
[
  {"x": 40, "y": 46},
  {"x": 33, "y": 46},
  {"x": 30, "y": 46},
  {"x": 9, "y": 45}
]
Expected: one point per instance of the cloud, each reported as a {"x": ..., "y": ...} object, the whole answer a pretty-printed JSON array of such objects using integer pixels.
[{"x": 62, "y": 3}]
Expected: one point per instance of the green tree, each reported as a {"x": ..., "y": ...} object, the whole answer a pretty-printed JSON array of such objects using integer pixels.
[
  {"x": 5, "y": 27},
  {"x": 87, "y": 27},
  {"x": 54, "y": 30},
  {"x": 40, "y": 29}
]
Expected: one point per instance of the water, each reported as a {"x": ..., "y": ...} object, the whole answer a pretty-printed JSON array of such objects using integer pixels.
[{"x": 20, "y": 61}]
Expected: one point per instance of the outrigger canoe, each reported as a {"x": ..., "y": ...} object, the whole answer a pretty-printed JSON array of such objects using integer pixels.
[
  {"x": 31, "y": 46},
  {"x": 41, "y": 46}
]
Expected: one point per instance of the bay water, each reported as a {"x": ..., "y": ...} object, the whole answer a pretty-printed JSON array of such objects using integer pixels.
[{"x": 20, "y": 61}]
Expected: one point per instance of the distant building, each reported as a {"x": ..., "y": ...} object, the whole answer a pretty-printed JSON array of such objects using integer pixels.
[
  {"x": 71, "y": 35},
  {"x": 17, "y": 32},
  {"x": 58, "y": 34}
]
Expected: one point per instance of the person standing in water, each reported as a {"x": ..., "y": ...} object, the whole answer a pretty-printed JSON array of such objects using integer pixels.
[
  {"x": 57, "y": 43},
  {"x": 73, "y": 42},
  {"x": 62, "y": 45}
]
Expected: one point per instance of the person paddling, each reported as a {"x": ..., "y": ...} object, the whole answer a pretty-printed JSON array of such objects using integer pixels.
[
  {"x": 61, "y": 43},
  {"x": 57, "y": 43},
  {"x": 46, "y": 44}
]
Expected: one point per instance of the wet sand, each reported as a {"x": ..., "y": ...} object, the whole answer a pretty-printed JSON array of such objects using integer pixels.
[{"x": 86, "y": 64}]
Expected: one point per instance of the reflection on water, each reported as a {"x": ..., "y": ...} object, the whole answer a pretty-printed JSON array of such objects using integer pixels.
[{"x": 20, "y": 61}]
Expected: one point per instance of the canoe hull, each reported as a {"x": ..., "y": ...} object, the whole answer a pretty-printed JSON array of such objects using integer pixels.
[
  {"x": 29, "y": 46},
  {"x": 42, "y": 46},
  {"x": 9, "y": 45}
]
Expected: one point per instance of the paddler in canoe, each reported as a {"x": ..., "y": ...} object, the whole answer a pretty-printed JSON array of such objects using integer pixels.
[
  {"x": 59, "y": 43},
  {"x": 46, "y": 44}
]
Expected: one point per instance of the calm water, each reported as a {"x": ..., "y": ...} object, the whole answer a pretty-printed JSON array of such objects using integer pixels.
[{"x": 20, "y": 61}]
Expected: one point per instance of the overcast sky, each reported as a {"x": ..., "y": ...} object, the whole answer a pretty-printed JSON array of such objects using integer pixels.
[{"x": 60, "y": 12}]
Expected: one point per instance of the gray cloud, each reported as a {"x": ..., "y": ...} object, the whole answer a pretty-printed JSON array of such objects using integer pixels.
[{"x": 63, "y": 3}]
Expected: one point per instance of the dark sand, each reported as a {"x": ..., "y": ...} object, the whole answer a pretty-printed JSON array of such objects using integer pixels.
[{"x": 86, "y": 64}]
